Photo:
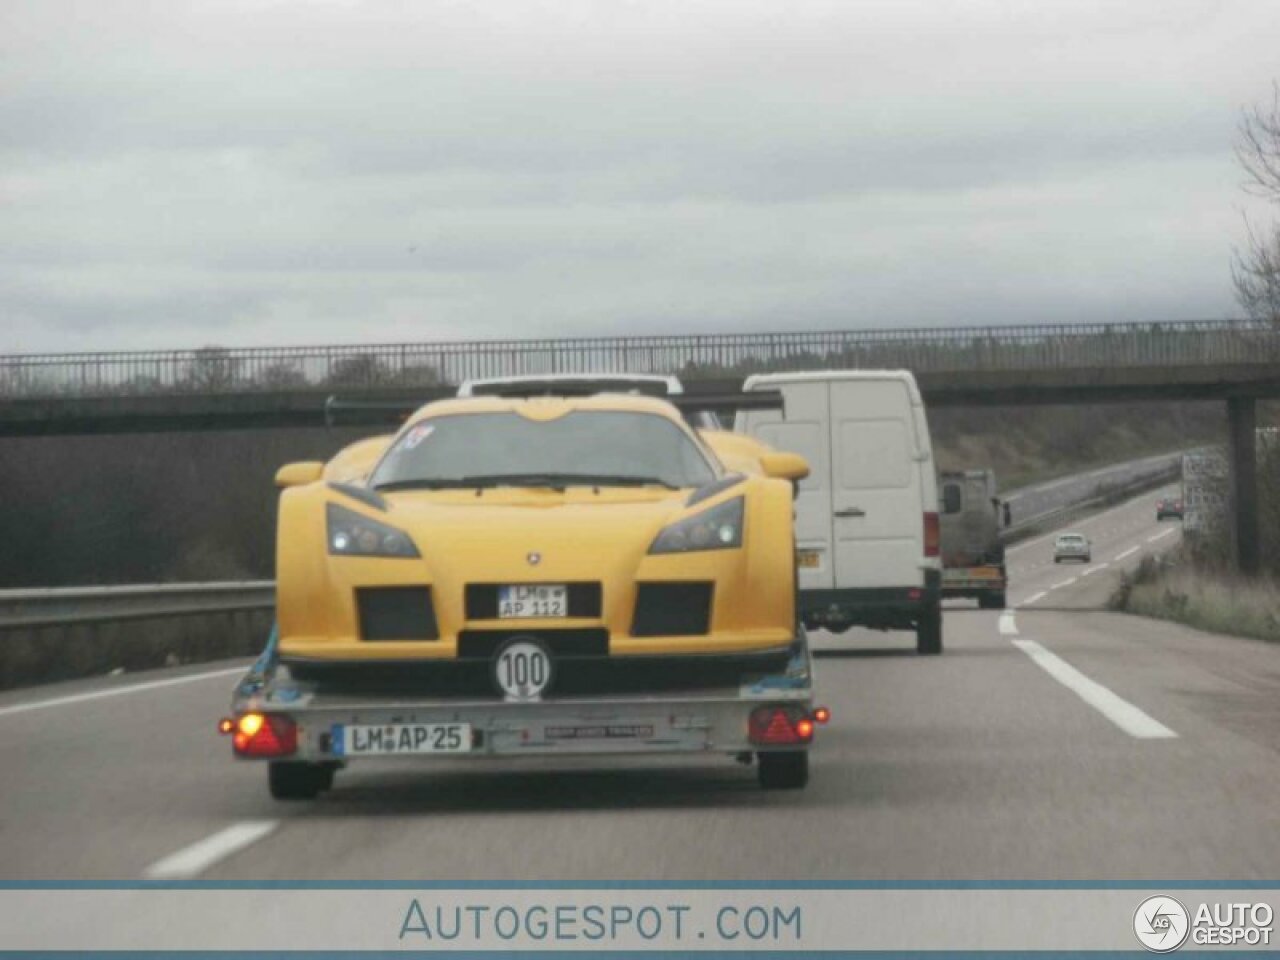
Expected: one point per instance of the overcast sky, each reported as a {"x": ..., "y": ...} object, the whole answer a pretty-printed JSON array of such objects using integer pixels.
[{"x": 176, "y": 174}]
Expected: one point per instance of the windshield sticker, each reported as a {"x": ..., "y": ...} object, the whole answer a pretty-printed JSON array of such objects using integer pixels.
[{"x": 417, "y": 435}]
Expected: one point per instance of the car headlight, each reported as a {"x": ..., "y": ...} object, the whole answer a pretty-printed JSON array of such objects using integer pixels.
[
  {"x": 352, "y": 535},
  {"x": 719, "y": 528}
]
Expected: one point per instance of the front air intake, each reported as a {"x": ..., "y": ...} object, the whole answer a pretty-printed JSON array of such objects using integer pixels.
[
  {"x": 396, "y": 613},
  {"x": 672, "y": 610}
]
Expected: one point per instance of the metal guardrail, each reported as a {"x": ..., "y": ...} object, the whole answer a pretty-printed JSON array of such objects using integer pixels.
[
  {"x": 31, "y": 609},
  {"x": 218, "y": 370},
  {"x": 1073, "y": 511}
]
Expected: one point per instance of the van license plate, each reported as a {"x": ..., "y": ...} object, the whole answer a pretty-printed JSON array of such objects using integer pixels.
[{"x": 809, "y": 559}]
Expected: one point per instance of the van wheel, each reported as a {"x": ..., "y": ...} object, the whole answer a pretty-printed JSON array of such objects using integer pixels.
[
  {"x": 297, "y": 781},
  {"x": 929, "y": 631},
  {"x": 783, "y": 771},
  {"x": 992, "y": 601}
]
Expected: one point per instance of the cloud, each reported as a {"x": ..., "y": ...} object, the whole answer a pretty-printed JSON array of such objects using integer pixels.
[{"x": 253, "y": 172}]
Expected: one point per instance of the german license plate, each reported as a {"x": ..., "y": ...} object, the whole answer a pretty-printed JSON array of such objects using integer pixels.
[
  {"x": 533, "y": 600},
  {"x": 396, "y": 739},
  {"x": 808, "y": 558}
]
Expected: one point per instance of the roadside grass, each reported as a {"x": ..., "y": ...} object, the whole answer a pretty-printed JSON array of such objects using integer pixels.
[{"x": 1218, "y": 602}]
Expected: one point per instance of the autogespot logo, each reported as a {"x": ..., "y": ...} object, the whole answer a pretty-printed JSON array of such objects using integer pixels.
[{"x": 1161, "y": 924}]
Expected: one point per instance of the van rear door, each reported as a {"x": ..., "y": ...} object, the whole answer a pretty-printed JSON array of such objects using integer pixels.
[
  {"x": 805, "y": 431},
  {"x": 876, "y": 497}
]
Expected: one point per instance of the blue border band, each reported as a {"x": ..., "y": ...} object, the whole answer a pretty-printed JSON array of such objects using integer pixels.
[{"x": 1156, "y": 885}]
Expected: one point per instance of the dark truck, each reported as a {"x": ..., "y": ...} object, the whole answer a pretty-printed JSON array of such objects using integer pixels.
[{"x": 970, "y": 520}]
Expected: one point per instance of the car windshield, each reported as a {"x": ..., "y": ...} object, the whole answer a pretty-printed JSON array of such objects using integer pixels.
[
  {"x": 1071, "y": 539},
  {"x": 586, "y": 446}
]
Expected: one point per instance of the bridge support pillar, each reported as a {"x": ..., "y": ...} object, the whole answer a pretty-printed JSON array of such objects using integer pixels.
[{"x": 1242, "y": 427}]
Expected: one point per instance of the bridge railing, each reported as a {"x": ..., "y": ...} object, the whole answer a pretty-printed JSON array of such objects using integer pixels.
[{"x": 214, "y": 370}]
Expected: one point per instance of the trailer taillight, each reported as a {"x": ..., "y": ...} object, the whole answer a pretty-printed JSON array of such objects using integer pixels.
[
  {"x": 931, "y": 535},
  {"x": 265, "y": 735},
  {"x": 773, "y": 726}
]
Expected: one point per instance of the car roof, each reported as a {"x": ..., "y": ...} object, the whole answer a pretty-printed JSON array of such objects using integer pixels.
[
  {"x": 649, "y": 382},
  {"x": 548, "y": 408}
]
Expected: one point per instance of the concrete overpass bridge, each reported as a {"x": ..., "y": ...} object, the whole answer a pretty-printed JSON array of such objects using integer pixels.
[{"x": 1236, "y": 362}]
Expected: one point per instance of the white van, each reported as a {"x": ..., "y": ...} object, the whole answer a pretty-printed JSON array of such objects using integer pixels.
[{"x": 867, "y": 515}]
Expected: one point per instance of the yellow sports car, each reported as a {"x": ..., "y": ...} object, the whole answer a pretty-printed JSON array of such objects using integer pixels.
[{"x": 596, "y": 530}]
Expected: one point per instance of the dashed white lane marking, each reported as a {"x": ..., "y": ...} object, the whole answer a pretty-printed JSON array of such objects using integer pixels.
[
  {"x": 1101, "y": 566},
  {"x": 200, "y": 856},
  {"x": 1128, "y": 553},
  {"x": 1008, "y": 626},
  {"x": 1116, "y": 709},
  {"x": 1064, "y": 583},
  {"x": 1161, "y": 536},
  {"x": 117, "y": 691},
  {"x": 1033, "y": 598}
]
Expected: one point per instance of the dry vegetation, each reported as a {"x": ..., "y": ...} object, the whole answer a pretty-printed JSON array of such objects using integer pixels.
[
  {"x": 1195, "y": 584},
  {"x": 1025, "y": 445},
  {"x": 1219, "y": 602}
]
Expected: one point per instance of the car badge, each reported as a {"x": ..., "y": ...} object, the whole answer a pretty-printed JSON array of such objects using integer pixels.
[{"x": 534, "y": 558}]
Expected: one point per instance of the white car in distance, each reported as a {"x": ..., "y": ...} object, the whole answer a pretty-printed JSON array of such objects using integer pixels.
[{"x": 1072, "y": 546}]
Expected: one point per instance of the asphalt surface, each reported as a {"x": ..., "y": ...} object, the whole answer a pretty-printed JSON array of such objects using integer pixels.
[{"x": 1052, "y": 741}]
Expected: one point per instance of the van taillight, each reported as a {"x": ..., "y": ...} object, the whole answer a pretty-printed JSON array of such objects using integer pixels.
[{"x": 931, "y": 536}]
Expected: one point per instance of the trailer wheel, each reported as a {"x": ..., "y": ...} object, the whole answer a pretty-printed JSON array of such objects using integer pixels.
[
  {"x": 992, "y": 601},
  {"x": 929, "y": 631},
  {"x": 297, "y": 781},
  {"x": 787, "y": 770}
]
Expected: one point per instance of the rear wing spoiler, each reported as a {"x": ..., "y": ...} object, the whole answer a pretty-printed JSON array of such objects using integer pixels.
[{"x": 393, "y": 411}]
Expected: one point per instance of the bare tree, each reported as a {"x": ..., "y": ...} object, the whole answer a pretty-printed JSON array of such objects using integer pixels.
[{"x": 1256, "y": 269}]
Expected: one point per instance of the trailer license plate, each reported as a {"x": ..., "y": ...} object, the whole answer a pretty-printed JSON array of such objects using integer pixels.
[
  {"x": 533, "y": 600},
  {"x": 395, "y": 739},
  {"x": 808, "y": 558}
]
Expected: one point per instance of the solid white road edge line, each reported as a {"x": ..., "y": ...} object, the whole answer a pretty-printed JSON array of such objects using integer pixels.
[
  {"x": 1128, "y": 553},
  {"x": 1008, "y": 625},
  {"x": 116, "y": 691},
  {"x": 1064, "y": 583},
  {"x": 195, "y": 859},
  {"x": 1161, "y": 536},
  {"x": 1033, "y": 598},
  {"x": 1119, "y": 711}
]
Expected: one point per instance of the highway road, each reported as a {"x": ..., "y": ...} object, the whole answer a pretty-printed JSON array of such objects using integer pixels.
[{"x": 1051, "y": 741}]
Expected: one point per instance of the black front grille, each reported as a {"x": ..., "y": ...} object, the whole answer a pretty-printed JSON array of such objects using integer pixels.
[
  {"x": 482, "y": 600},
  {"x": 483, "y": 644},
  {"x": 396, "y": 613},
  {"x": 672, "y": 610}
]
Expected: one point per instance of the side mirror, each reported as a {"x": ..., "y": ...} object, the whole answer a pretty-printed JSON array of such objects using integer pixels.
[
  {"x": 299, "y": 474},
  {"x": 784, "y": 466}
]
